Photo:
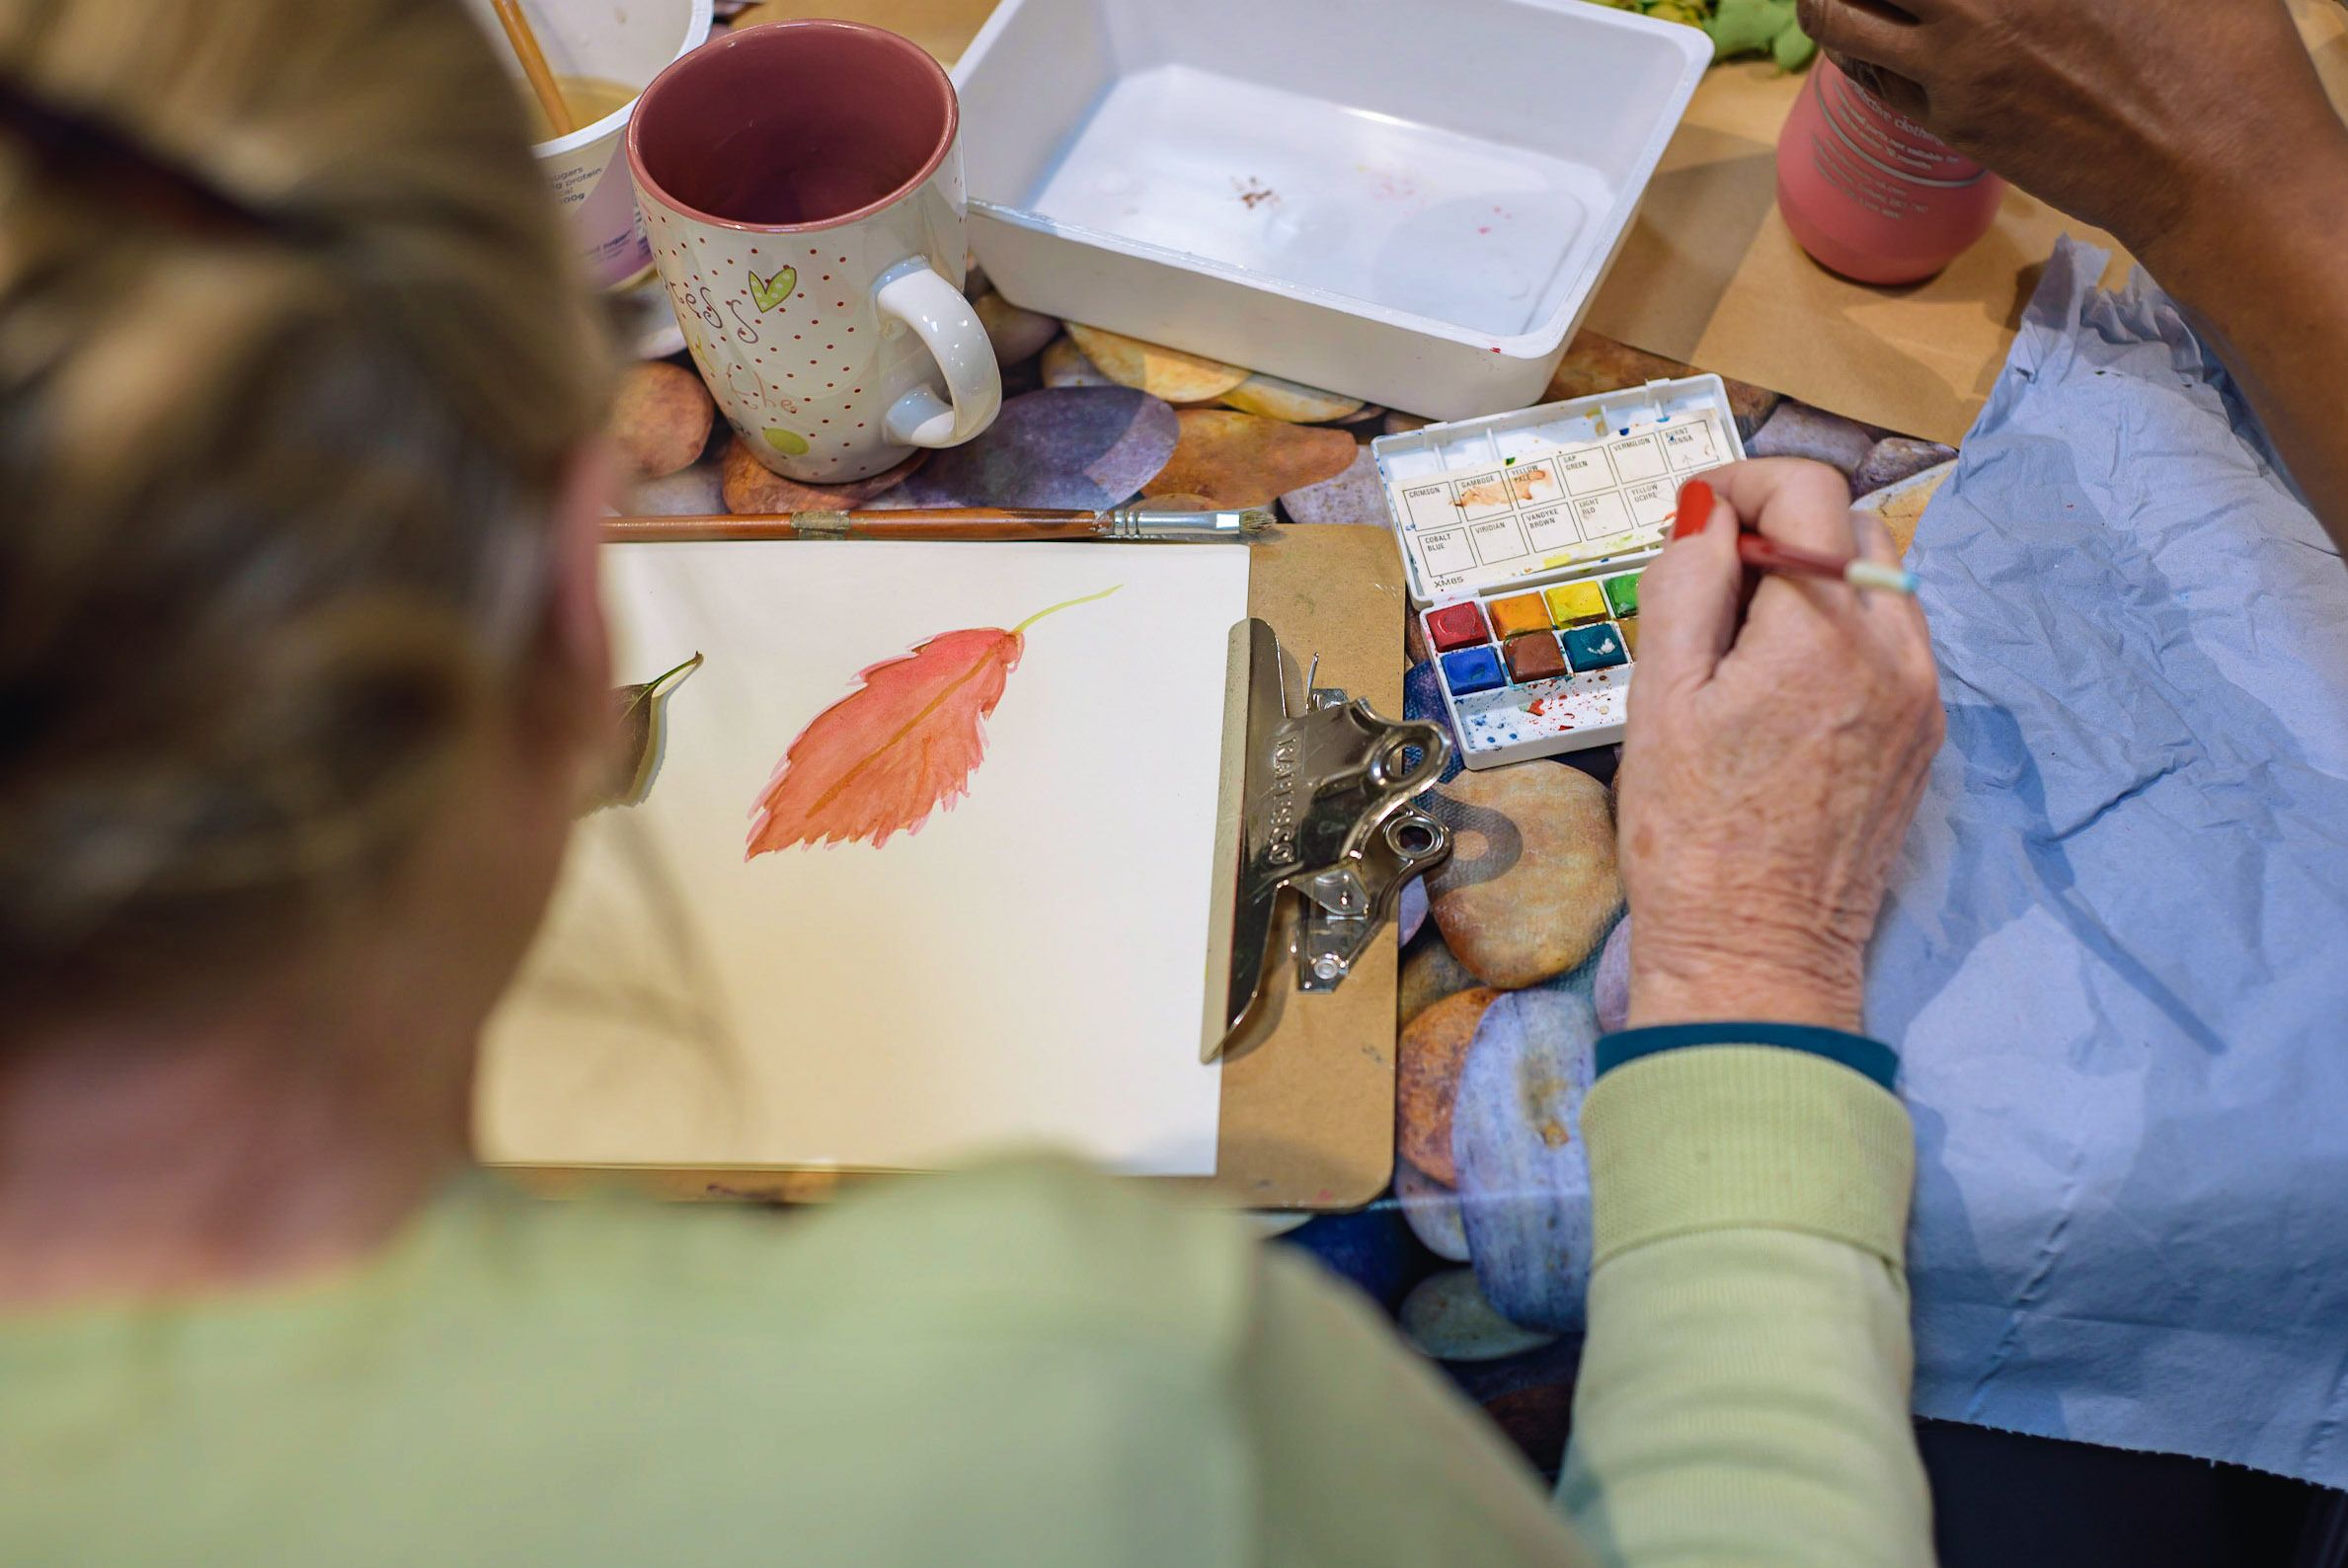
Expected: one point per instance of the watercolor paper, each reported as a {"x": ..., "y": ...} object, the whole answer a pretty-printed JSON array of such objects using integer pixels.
[{"x": 912, "y": 879}]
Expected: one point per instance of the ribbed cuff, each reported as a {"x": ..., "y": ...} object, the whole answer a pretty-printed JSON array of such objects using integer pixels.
[
  {"x": 1730, "y": 1137},
  {"x": 1859, "y": 1052}
]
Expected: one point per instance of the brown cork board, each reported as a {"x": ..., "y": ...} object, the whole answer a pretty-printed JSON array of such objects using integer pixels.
[{"x": 1309, "y": 1111}]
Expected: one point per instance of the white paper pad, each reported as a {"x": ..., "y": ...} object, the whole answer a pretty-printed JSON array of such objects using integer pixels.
[{"x": 1027, "y": 968}]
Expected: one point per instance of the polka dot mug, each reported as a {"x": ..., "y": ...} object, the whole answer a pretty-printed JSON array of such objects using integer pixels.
[{"x": 801, "y": 184}]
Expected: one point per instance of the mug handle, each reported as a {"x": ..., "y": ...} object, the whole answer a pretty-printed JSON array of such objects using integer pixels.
[{"x": 912, "y": 292}]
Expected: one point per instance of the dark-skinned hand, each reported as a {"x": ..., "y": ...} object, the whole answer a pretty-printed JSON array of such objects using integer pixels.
[
  {"x": 2195, "y": 130},
  {"x": 2128, "y": 114}
]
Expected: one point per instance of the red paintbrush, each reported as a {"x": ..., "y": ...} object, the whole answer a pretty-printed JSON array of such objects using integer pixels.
[
  {"x": 1764, "y": 554},
  {"x": 1767, "y": 555}
]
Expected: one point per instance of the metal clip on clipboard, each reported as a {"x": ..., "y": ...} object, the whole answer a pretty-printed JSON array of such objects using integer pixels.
[{"x": 1325, "y": 817}]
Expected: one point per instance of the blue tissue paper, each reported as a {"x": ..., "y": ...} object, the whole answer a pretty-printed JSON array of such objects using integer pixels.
[{"x": 2115, "y": 959}]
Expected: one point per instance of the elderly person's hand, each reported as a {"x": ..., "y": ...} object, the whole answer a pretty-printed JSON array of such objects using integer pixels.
[
  {"x": 2134, "y": 114},
  {"x": 1775, "y": 754}
]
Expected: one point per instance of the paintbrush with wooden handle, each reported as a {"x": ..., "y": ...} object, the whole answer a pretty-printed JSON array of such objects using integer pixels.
[
  {"x": 1120, "y": 524},
  {"x": 534, "y": 67},
  {"x": 1764, "y": 554}
]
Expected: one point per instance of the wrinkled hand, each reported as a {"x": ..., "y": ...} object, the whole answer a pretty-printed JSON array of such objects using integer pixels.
[
  {"x": 2133, "y": 115},
  {"x": 1772, "y": 764}
]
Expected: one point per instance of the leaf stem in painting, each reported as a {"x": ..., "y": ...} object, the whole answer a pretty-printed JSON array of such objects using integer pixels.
[
  {"x": 1065, "y": 605},
  {"x": 643, "y": 693}
]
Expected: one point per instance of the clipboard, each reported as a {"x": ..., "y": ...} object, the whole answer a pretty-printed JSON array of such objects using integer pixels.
[{"x": 1307, "y": 1110}]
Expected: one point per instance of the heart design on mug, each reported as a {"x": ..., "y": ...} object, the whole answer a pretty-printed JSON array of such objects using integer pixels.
[{"x": 772, "y": 291}]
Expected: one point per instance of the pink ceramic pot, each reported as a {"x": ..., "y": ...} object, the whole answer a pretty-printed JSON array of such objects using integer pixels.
[{"x": 1873, "y": 194}]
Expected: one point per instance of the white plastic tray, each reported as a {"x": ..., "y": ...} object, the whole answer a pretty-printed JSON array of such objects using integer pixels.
[{"x": 1402, "y": 201}]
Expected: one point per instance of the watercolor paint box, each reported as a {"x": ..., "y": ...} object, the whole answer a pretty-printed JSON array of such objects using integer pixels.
[
  {"x": 1407, "y": 202},
  {"x": 1523, "y": 538}
]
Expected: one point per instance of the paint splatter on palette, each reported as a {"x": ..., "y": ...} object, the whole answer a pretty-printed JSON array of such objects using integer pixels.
[
  {"x": 1523, "y": 537},
  {"x": 1549, "y": 669}
]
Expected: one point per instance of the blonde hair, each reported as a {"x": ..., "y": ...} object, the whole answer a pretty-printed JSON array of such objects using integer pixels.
[{"x": 276, "y": 494}]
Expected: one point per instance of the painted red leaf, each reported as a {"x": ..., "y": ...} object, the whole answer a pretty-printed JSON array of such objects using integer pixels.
[{"x": 883, "y": 758}]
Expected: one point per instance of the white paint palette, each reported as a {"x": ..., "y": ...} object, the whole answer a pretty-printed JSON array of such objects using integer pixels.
[{"x": 1524, "y": 535}]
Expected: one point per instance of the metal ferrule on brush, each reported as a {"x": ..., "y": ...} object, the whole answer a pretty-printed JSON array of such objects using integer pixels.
[{"x": 1143, "y": 523}]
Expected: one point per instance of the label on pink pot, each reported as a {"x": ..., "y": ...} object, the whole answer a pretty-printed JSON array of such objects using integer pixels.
[
  {"x": 1895, "y": 144},
  {"x": 1870, "y": 193}
]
